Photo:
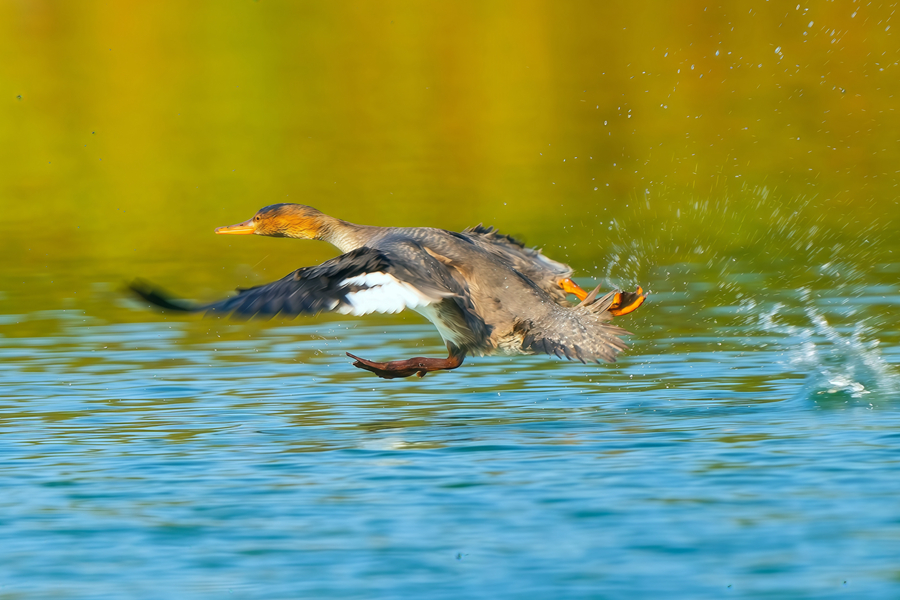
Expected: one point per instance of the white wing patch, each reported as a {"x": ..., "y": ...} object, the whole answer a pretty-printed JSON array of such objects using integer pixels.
[{"x": 382, "y": 293}]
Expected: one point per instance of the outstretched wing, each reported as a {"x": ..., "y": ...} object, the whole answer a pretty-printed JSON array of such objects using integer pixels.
[
  {"x": 359, "y": 282},
  {"x": 545, "y": 272}
]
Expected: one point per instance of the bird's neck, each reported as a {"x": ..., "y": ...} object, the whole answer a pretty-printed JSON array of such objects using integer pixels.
[{"x": 343, "y": 235}]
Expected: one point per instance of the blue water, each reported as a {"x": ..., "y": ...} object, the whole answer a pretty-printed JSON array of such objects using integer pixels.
[{"x": 748, "y": 449}]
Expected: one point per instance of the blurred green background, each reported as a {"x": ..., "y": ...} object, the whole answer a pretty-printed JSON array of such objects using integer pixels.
[{"x": 623, "y": 137}]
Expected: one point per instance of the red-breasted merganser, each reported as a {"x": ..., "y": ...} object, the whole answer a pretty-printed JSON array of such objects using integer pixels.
[{"x": 485, "y": 292}]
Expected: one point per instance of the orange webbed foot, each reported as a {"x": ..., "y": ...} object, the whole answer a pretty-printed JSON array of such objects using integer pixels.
[
  {"x": 626, "y": 302},
  {"x": 623, "y": 302}
]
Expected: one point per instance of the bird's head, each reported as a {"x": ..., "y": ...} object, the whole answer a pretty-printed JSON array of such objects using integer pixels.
[{"x": 280, "y": 220}]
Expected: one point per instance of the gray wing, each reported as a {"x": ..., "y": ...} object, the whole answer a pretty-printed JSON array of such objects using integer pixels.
[{"x": 545, "y": 272}]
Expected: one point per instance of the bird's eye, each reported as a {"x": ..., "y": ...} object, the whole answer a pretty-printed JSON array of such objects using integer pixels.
[{"x": 256, "y": 218}]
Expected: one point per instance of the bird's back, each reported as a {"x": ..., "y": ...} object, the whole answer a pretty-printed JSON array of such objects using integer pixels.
[{"x": 514, "y": 290}]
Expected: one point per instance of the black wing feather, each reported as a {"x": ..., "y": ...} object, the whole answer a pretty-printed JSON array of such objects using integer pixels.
[
  {"x": 308, "y": 291},
  {"x": 311, "y": 290}
]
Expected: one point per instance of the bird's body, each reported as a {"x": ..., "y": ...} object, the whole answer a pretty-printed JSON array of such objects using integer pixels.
[{"x": 485, "y": 292}]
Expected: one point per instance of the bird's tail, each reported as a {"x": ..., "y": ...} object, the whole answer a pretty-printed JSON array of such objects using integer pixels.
[{"x": 582, "y": 332}]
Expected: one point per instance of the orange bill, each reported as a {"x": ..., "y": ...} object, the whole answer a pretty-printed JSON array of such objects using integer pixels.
[{"x": 245, "y": 228}]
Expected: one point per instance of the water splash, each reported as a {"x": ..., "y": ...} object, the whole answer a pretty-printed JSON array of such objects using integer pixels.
[
  {"x": 845, "y": 364},
  {"x": 715, "y": 236}
]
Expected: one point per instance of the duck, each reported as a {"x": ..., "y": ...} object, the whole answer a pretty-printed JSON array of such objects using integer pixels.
[{"x": 485, "y": 292}]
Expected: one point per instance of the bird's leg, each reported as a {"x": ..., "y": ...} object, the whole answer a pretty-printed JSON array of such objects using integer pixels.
[
  {"x": 411, "y": 366},
  {"x": 622, "y": 304}
]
